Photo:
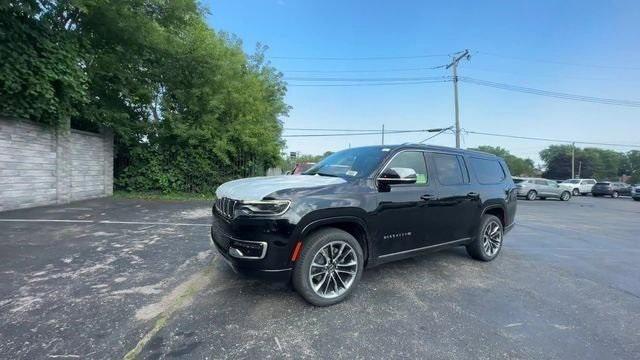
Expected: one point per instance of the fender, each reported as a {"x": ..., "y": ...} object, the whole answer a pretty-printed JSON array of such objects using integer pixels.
[{"x": 314, "y": 224}]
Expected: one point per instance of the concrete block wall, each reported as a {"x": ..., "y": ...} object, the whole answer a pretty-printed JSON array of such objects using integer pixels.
[{"x": 41, "y": 165}]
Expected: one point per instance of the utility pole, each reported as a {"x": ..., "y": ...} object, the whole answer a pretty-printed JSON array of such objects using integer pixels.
[
  {"x": 454, "y": 67},
  {"x": 573, "y": 160},
  {"x": 382, "y": 134}
]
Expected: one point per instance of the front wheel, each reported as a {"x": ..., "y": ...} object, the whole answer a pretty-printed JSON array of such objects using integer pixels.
[
  {"x": 532, "y": 195},
  {"x": 329, "y": 267},
  {"x": 615, "y": 195},
  {"x": 565, "y": 196},
  {"x": 576, "y": 192},
  {"x": 488, "y": 241}
]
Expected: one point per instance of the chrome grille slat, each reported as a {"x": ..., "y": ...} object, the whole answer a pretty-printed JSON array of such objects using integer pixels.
[{"x": 226, "y": 207}]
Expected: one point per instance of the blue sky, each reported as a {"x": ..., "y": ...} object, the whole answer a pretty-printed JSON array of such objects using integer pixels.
[{"x": 498, "y": 33}]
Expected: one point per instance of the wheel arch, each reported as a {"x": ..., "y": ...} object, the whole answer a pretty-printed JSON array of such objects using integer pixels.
[
  {"x": 497, "y": 211},
  {"x": 353, "y": 225}
]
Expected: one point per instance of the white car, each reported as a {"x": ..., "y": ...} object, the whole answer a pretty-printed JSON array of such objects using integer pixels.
[{"x": 578, "y": 186}]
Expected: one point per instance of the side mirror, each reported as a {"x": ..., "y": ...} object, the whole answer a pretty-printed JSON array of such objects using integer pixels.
[{"x": 398, "y": 175}]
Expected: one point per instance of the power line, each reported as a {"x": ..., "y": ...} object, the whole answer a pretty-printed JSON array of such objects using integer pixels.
[
  {"x": 559, "y": 62},
  {"x": 384, "y": 79},
  {"x": 365, "y": 71},
  {"x": 358, "y": 58},
  {"x": 365, "y": 132},
  {"x": 553, "y": 94},
  {"x": 442, "y": 131},
  {"x": 371, "y": 84},
  {"x": 550, "y": 140}
]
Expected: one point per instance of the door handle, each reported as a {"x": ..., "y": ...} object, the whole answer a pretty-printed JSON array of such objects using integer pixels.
[
  {"x": 473, "y": 195},
  {"x": 426, "y": 197}
]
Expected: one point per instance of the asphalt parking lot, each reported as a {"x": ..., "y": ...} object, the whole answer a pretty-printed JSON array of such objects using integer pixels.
[{"x": 110, "y": 278}]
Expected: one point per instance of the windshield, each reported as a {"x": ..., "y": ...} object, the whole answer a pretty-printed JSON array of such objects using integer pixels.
[
  {"x": 350, "y": 163},
  {"x": 572, "y": 181}
]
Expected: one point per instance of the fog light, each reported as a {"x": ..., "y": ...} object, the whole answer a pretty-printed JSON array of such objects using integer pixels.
[{"x": 248, "y": 249}]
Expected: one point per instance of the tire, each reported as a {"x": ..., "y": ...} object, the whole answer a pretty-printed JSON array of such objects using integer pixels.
[
  {"x": 636, "y": 198},
  {"x": 319, "y": 249},
  {"x": 615, "y": 195},
  {"x": 532, "y": 195},
  {"x": 543, "y": 198},
  {"x": 565, "y": 196},
  {"x": 596, "y": 195},
  {"x": 486, "y": 247},
  {"x": 576, "y": 192}
]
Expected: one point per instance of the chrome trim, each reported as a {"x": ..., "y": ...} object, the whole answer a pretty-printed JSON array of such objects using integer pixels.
[
  {"x": 425, "y": 247},
  {"x": 264, "y": 249},
  {"x": 276, "y": 270}
]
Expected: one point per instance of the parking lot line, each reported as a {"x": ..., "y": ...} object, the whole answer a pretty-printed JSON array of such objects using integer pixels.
[{"x": 104, "y": 222}]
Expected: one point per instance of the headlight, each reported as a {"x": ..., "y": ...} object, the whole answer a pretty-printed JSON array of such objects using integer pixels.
[{"x": 263, "y": 207}]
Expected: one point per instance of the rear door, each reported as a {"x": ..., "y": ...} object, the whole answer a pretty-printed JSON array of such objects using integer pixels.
[{"x": 458, "y": 202}]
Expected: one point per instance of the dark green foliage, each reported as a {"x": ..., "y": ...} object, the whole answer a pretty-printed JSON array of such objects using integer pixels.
[
  {"x": 595, "y": 163},
  {"x": 40, "y": 76},
  {"x": 188, "y": 108}
]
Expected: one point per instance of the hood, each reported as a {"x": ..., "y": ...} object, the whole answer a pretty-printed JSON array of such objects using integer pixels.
[{"x": 256, "y": 188}]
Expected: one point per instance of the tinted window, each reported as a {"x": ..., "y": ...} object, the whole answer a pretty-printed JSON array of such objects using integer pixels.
[
  {"x": 350, "y": 163},
  {"x": 540, "y": 182},
  {"x": 590, "y": 182},
  {"x": 488, "y": 171},
  {"x": 603, "y": 183},
  {"x": 410, "y": 160},
  {"x": 518, "y": 181},
  {"x": 448, "y": 168}
]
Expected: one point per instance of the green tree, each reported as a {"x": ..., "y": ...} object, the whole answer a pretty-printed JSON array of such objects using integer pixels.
[
  {"x": 189, "y": 108},
  {"x": 517, "y": 166},
  {"x": 595, "y": 163}
]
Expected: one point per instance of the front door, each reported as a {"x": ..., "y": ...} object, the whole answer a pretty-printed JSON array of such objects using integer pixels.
[{"x": 404, "y": 215}]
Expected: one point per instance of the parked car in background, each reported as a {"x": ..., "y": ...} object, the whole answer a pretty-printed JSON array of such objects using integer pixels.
[
  {"x": 610, "y": 188},
  {"x": 534, "y": 188},
  {"x": 635, "y": 192},
  {"x": 578, "y": 186}
]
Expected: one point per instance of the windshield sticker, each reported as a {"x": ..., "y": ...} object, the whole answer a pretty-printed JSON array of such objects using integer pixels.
[{"x": 351, "y": 173}]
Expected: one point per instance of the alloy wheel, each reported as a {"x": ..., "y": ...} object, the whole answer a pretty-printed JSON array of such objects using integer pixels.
[
  {"x": 576, "y": 192},
  {"x": 531, "y": 195},
  {"x": 565, "y": 196},
  {"x": 333, "y": 269},
  {"x": 491, "y": 238},
  {"x": 615, "y": 194}
]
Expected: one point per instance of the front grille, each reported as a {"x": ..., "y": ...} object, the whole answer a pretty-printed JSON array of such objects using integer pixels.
[{"x": 226, "y": 207}]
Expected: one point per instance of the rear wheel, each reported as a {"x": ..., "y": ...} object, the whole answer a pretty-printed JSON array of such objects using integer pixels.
[
  {"x": 329, "y": 267},
  {"x": 488, "y": 241},
  {"x": 576, "y": 192},
  {"x": 565, "y": 196},
  {"x": 532, "y": 195},
  {"x": 615, "y": 195}
]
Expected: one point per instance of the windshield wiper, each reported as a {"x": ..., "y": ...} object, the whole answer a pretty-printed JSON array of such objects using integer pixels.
[{"x": 326, "y": 174}]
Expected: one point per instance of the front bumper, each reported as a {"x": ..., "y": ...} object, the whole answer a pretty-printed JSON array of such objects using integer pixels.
[{"x": 266, "y": 258}]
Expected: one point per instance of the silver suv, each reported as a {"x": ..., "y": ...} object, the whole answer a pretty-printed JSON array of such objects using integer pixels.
[{"x": 534, "y": 188}]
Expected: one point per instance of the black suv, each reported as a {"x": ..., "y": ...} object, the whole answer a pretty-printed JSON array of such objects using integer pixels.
[
  {"x": 363, "y": 207},
  {"x": 613, "y": 189}
]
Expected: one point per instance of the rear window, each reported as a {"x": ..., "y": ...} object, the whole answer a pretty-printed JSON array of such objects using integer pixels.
[
  {"x": 448, "y": 169},
  {"x": 488, "y": 171}
]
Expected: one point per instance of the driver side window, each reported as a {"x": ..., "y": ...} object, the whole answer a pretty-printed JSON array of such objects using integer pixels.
[{"x": 408, "y": 162}]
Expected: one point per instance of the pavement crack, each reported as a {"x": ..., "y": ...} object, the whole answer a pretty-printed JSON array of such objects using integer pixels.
[{"x": 161, "y": 311}]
